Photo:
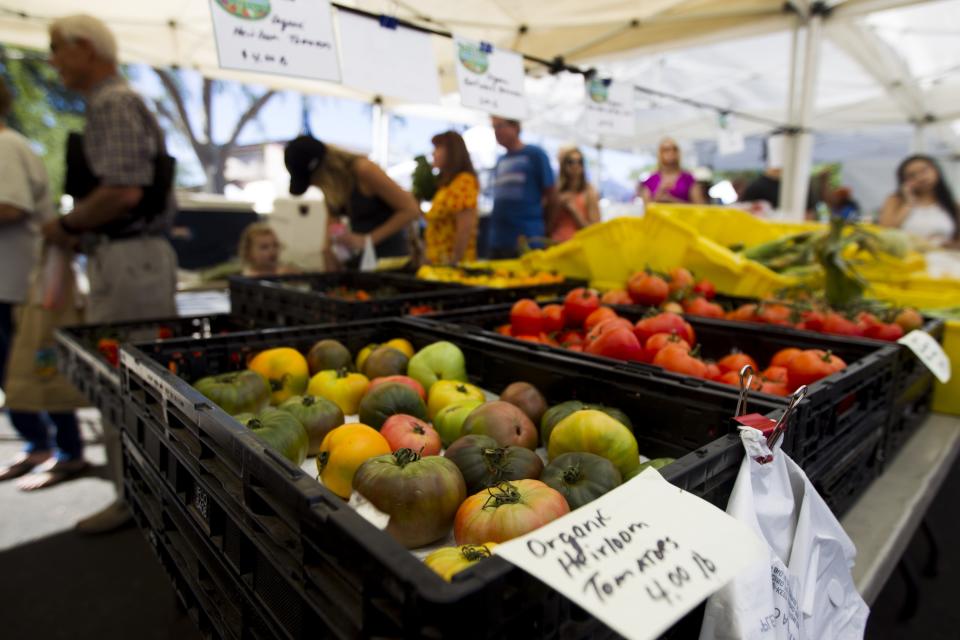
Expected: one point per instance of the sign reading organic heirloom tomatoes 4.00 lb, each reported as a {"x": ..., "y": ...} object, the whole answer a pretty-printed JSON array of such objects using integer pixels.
[
  {"x": 609, "y": 107},
  {"x": 490, "y": 79},
  {"x": 640, "y": 557},
  {"x": 284, "y": 37}
]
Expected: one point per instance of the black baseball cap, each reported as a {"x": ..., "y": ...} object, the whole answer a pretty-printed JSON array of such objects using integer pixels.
[{"x": 302, "y": 156}]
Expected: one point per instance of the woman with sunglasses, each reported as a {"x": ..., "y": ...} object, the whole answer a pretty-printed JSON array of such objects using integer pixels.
[
  {"x": 670, "y": 183},
  {"x": 578, "y": 203}
]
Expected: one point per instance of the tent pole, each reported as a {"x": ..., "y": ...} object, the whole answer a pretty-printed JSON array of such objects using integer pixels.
[
  {"x": 380, "y": 130},
  {"x": 919, "y": 138},
  {"x": 803, "y": 142},
  {"x": 786, "y": 183}
]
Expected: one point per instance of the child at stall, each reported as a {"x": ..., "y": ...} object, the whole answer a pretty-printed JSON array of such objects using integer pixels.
[{"x": 259, "y": 252}]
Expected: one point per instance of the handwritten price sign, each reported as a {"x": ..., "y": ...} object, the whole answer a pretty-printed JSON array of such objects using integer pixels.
[
  {"x": 929, "y": 352},
  {"x": 640, "y": 557}
]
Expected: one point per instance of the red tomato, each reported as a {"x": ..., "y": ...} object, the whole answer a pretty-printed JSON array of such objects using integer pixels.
[
  {"x": 680, "y": 279},
  {"x": 618, "y": 343},
  {"x": 110, "y": 350},
  {"x": 548, "y": 339},
  {"x": 775, "y": 314},
  {"x": 676, "y": 358},
  {"x": 504, "y": 330},
  {"x": 700, "y": 306},
  {"x": 783, "y": 357},
  {"x": 736, "y": 362},
  {"x": 553, "y": 319},
  {"x": 660, "y": 340},
  {"x": 575, "y": 347},
  {"x": 616, "y": 296},
  {"x": 665, "y": 322},
  {"x": 578, "y": 304},
  {"x": 713, "y": 371},
  {"x": 598, "y": 316},
  {"x": 608, "y": 325},
  {"x": 811, "y": 365},
  {"x": 775, "y": 373},
  {"x": 407, "y": 432},
  {"x": 909, "y": 319},
  {"x": 743, "y": 313},
  {"x": 570, "y": 337},
  {"x": 812, "y": 321},
  {"x": 836, "y": 324},
  {"x": 706, "y": 289},
  {"x": 868, "y": 319},
  {"x": 884, "y": 331},
  {"x": 526, "y": 318},
  {"x": 733, "y": 379},
  {"x": 648, "y": 289},
  {"x": 774, "y": 388}
]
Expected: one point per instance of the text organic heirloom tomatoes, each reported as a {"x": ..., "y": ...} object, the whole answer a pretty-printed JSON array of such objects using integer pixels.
[{"x": 507, "y": 511}]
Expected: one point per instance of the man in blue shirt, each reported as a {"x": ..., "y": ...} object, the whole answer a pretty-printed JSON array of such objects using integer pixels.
[{"x": 524, "y": 195}]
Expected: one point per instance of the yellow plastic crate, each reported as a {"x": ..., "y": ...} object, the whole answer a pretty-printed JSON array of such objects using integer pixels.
[
  {"x": 566, "y": 258},
  {"x": 946, "y": 398}
]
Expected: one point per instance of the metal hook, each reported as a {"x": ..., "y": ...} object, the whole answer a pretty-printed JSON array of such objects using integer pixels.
[
  {"x": 747, "y": 370},
  {"x": 781, "y": 425}
]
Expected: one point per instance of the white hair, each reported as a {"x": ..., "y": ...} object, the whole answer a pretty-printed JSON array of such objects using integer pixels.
[{"x": 93, "y": 30}]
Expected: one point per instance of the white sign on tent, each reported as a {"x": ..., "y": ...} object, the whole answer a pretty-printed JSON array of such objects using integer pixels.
[
  {"x": 609, "y": 107},
  {"x": 388, "y": 59},
  {"x": 293, "y": 38},
  {"x": 490, "y": 79}
]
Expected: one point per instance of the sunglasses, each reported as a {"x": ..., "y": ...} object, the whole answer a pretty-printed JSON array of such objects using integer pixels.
[{"x": 573, "y": 161}]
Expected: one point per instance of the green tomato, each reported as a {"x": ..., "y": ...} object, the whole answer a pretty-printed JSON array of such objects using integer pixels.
[
  {"x": 595, "y": 432},
  {"x": 237, "y": 391},
  {"x": 449, "y": 421},
  {"x": 581, "y": 477}
]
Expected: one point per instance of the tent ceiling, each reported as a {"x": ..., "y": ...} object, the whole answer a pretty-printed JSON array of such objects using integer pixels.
[{"x": 623, "y": 39}]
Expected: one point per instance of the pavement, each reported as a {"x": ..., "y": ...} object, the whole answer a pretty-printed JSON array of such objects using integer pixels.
[{"x": 59, "y": 584}]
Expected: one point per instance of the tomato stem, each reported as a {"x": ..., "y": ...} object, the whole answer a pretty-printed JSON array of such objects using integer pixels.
[
  {"x": 474, "y": 552},
  {"x": 308, "y": 401},
  {"x": 322, "y": 459},
  {"x": 572, "y": 475},
  {"x": 405, "y": 456},
  {"x": 500, "y": 494}
]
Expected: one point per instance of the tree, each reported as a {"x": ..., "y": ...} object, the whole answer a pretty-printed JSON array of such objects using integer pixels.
[
  {"x": 43, "y": 110},
  {"x": 211, "y": 155}
]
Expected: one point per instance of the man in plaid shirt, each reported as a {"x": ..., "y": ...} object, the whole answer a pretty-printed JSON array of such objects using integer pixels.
[{"x": 121, "y": 177}]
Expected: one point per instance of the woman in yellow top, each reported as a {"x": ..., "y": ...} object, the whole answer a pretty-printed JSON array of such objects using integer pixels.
[{"x": 451, "y": 235}]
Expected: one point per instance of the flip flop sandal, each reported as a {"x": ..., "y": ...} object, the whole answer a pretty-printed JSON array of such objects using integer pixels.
[
  {"x": 52, "y": 475},
  {"x": 18, "y": 469}
]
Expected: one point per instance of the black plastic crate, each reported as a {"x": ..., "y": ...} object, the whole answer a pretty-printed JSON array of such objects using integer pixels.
[
  {"x": 852, "y": 463},
  {"x": 80, "y": 361},
  {"x": 320, "y": 559},
  {"x": 219, "y": 604},
  {"x": 832, "y": 407}
]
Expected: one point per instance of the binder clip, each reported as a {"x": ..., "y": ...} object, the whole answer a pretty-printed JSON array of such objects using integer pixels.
[
  {"x": 486, "y": 47},
  {"x": 771, "y": 429}
]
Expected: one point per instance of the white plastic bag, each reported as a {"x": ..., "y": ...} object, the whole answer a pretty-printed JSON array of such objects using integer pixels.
[
  {"x": 804, "y": 591},
  {"x": 368, "y": 261}
]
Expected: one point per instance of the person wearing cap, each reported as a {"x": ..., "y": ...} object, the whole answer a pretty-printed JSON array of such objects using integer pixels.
[
  {"x": 121, "y": 178},
  {"x": 356, "y": 189}
]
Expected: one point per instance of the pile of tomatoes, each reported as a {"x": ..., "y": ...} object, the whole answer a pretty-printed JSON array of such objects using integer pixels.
[
  {"x": 666, "y": 340},
  {"x": 680, "y": 292}
]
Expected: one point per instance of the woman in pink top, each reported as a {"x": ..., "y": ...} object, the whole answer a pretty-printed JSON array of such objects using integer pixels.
[
  {"x": 578, "y": 204},
  {"x": 670, "y": 183}
]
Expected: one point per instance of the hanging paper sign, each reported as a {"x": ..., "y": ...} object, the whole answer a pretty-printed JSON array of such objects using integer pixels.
[
  {"x": 387, "y": 59},
  {"x": 609, "y": 107},
  {"x": 730, "y": 142},
  {"x": 282, "y": 37},
  {"x": 640, "y": 557},
  {"x": 929, "y": 352},
  {"x": 490, "y": 79}
]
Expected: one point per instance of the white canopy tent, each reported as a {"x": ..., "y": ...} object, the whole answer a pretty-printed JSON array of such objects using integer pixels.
[{"x": 836, "y": 65}]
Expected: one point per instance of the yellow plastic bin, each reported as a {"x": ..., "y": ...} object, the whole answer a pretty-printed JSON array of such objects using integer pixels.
[{"x": 946, "y": 397}]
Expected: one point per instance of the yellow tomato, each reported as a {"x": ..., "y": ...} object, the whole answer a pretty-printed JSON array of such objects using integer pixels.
[
  {"x": 449, "y": 561},
  {"x": 444, "y": 393},
  {"x": 401, "y": 345},
  {"x": 285, "y": 369},
  {"x": 342, "y": 388},
  {"x": 364, "y": 353},
  {"x": 342, "y": 452}
]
